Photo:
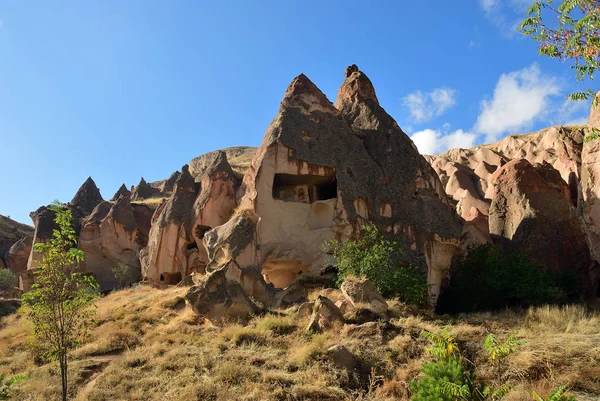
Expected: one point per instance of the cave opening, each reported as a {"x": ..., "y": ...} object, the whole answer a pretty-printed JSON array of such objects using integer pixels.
[{"x": 304, "y": 188}]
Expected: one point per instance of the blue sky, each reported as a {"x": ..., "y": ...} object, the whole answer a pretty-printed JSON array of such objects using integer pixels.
[{"x": 118, "y": 90}]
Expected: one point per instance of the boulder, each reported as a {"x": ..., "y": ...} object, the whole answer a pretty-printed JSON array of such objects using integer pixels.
[
  {"x": 18, "y": 254},
  {"x": 217, "y": 298},
  {"x": 324, "y": 314},
  {"x": 341, "y": 357},
  {"x": 362, "y": 294},
  {"x": 306, "y": 309},
  {"x": 531, "y": 212}
]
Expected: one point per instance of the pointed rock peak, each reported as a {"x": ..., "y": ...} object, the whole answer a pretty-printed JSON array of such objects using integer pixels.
[
  {"x": 218, "y": 163},
  {"x": 169, "y": 183},
  {"x": 303, "y": 93},
  {"x": 121, "y": 191},
  {"x": 357, "y": 87},
  {"x": 87, "y": 196},
  {"x": 185, "y": 179},
  {"x": 142, "y": 182}
]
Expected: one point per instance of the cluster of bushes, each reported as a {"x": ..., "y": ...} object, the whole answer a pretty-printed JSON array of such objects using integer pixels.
[
  {"x": 378, "y": 259},
  {"x": 489, "y": 278}
]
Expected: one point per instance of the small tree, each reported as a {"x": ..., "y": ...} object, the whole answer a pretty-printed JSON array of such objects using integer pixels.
[
  {"x": 124, "y": 274},
  {"x": 59, "y": 304},
  {"x": 8, "y": 279},
  {"x": 376, "y": 258},
  {"x": 569, "y": 30}
]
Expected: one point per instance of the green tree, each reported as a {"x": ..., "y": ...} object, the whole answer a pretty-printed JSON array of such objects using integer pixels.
[
  {"x": 59, "y": 304},
  {"x": 377, "y": 258},
  {"x": 8, "y": 280},
  {"x": 568, "y": 31},
  {"x": 124, "y": 274}
]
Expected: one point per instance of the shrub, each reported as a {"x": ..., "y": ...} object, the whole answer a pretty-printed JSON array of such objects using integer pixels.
[
  {"x": 489, "y": 278},
  {"x": 125, "y": 274},
  {"x": 8, "y": 280},
  {"x": 377, "y": 258}
]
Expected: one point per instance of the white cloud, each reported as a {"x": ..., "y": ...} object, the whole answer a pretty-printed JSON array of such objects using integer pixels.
[
  {"x": 431, "y": 142},
  {"x": 571, "y": 113},
  {"x": 520, "y": 98},
  {"x": 506, "y": 15},
  {"x": 425, "y": 106}
]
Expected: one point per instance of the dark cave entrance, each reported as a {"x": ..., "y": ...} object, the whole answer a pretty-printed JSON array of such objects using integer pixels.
[{"x": 304, "y": 188}]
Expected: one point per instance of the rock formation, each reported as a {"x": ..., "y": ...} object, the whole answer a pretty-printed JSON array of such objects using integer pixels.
[
  {"x": 589, "y": 198},
  {"x": 320, "y": 173},
  {"x": 86, "y": 199},
  {"x": 11, "y": 232},
  {"x": 121, "y": 191},
  {"x": 18, "y": 254},
  {"x": 531, "y": 212},
  {"x": 112, "y": 236},
  {"x": 144, "y": 191}
]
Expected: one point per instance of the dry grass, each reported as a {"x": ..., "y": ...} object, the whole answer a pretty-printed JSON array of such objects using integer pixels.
[{"x": 147, "y": 345}]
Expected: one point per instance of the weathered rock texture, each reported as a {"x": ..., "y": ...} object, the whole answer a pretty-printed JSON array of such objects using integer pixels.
[
  {"x": 144, "y": 191},
  {"x": 18, "y": 254},
  {"x": 362, "y": 294},
  {"x": 531, "y": 212},
  {"x": 112, "y": 236},
  {"x": 176, "y": 241},
  {"x": 589, "y": 200},
  {"x": 11, "y": 232},
  {"x": 466, "y": 173},
  {"x": 323, "y": 171}
]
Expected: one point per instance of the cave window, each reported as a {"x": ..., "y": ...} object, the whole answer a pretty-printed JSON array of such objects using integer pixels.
[
  {"x": 304, "y": 188},
  {"x": 170, "y": 278}
]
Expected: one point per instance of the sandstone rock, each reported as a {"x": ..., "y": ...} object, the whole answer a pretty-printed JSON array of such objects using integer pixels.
[
  {"x": 177, "y": 244},
  {"x": 324, "y": 314},
  {"x": 11, "y": 232},
  {"x": 112, "y": 237},
  {"x": 238, "y": 157},
  {"x": 144, "y": 191},
  {"x": 589, "y": 199},
  {"x": 322, "y": 172},
  {"x": 217, "y": 298},
  {"x": 167, "y": 187},
  {"x": 341, "y": 357},
  {"x": 43, "y": 221},
  {"x": 86, "y": 198},
  {"x": 362, "y": 294},
  {"x": 121, "y": 191},
  {"x": 362, "y": 331},
  {"x": 531, "y": 212},
  {"x": 18, "y": 254},
  {"x": 344, "y": 305},
  {"x": 306, "y": 309}
]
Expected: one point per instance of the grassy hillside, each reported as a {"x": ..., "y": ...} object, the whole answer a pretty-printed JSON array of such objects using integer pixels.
[{"x": 148, "y": 345}]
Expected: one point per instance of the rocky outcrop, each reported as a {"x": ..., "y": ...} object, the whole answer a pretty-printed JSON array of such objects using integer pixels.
[
  {"x": 167, "y": 187},
  {"x": 18, "y": 254},
  {"x": 362, "y": 294},
  {"x": 217, "y": 298},
  {"x": 466, "y": 173},
  {"x": 144, "y": 191},
  {"x": 112, "y": 237},
  {"x": 238, "y": 157},
  {"x": 322, "y": 172},
  {"x": 11, "y": 232},
  {"x": 324, "y": 315},
  {"x": 176, "y": 244},
  {"x": 589, "y": 198},
  {"x": 43, "y": 221},
  {"x": 86, "y": 199},
  {"x": 531, "y": 212},
  {"x": 121, "y": 191}
]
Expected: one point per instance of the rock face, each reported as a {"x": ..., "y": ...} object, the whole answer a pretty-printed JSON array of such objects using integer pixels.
[
  {"x": 112, "y": 236},
  {"x": 238, "y": 157},
  {"x": 589, "y": 200},
  {"x": 531, "y": 212},
  {"x": 363, "y": 295},
  {"x": 466, "y": 173},
  {"x": 176, "y": 241},
  {"x": 86, "y": 199},
  {"x": 18, "y": 254},
  {"x": 121, "y": 191},
  {"x": 11, "y": 232},
  {"x": 144, "y": 191},
  {"x": 322, "y": 172}
]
